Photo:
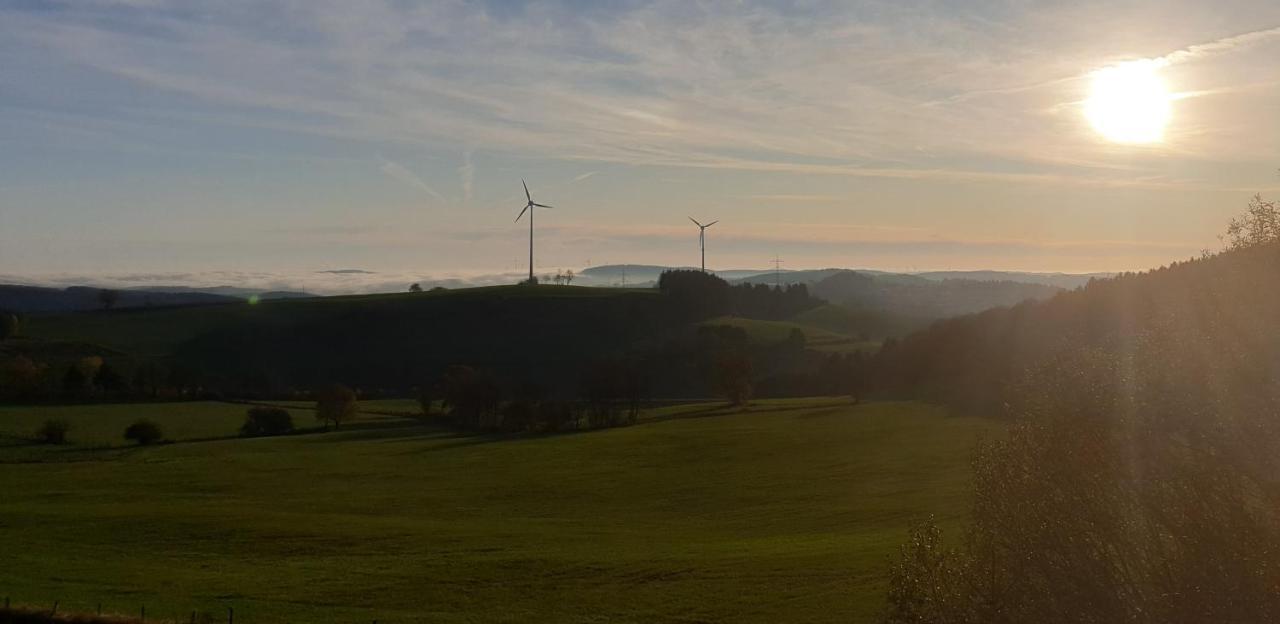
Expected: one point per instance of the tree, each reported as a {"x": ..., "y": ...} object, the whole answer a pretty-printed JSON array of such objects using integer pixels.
[
  {"x": 1260, "y": 224},
  {"x": 568, "y": 277},
  {"x": 336, "y": 404},
  {"x": 9, "y": 325},
  {"x": 53, "y": 431},
  {"x": 472, "y": 397},
  {"x": 266, "y": 421},
  {"x": 733, "y": 378},
  {"x": 144, "y": 432},
  {"x": 21, "y": 377},
  {"x": 74, "y": 382},
  {"x": 108, "y": 298},
  {"x": 415, "y": 288},
  {"x": 110, "y": 381}
]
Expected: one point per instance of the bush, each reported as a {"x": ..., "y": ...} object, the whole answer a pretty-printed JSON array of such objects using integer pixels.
[
  {"x": 143, "y": 432},
  {"x": 53, "y": 431},
  {"x": 266, "y": 421}
]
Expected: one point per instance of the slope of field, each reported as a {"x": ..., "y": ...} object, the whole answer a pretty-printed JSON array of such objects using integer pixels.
[{"x": 786, "y": 513}]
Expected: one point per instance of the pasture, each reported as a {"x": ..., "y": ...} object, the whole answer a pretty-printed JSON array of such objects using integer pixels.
[{"x": 787, "y": 512}]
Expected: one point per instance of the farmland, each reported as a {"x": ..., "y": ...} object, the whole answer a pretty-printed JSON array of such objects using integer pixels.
[{"x": 788, "y": 511}]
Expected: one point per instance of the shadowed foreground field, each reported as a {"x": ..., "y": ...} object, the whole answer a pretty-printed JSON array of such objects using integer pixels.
[{"x": 786, "y": 513}]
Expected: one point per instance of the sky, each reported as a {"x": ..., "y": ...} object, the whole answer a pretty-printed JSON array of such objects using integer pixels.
[{"x": 156, "y": 141}]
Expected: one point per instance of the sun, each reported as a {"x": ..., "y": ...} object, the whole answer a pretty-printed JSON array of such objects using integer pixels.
[{"x": 1129, "y": 102}]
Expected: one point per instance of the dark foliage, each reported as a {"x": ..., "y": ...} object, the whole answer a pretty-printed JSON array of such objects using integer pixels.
[
  {"x": 613, "y": 391},
  {"x": 695, "y": 295},
  {"x": 266, "y": 421},
  {"x": 143, "y": 432},
  {"x": 9, "y": 325},
  {"x": 335, "y": 405},
  {"x": 472, "y": 397},
  {"x": 53, "y": 431}
]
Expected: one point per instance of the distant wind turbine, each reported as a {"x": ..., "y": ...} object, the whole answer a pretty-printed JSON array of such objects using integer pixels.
[
  {"x": 529, "y": 209},
  {"x": 702, "y": 239}
]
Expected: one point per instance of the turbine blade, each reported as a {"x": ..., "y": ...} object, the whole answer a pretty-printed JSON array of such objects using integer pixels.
[
  {"x": 526, "y": 209},
  {"x": 712, "y": 223},
  {"x": 695, "y": 221},
  {"x": 542, "y": 205},
  {"x": 526, "y": 190}
]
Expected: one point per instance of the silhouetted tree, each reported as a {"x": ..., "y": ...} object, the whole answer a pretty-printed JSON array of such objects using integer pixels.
[
  {"x": 472, "y": 397},
  {"x": 1259, "y": 225},
  {"x": 74, "y": 383},
  {"x": 110, "y": 381},
  {"x": 266, "y": 421},
  {"x": 336, "y": 404},
  {"x": 9, "y": 325},
  {"x": 415, "y": 288},
  {"x": 733, "y": 378},
  {"x": 53, "y": 431},
  {"x": 143, "y": 432}
]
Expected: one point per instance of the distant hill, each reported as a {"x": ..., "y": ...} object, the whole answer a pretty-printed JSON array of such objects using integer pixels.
[
  {"x": 231, "y": 291},
  {"x": 1067, "y": 281},
  {"x": 30, "y": 299},
  {"x": 917, "y": 297}
]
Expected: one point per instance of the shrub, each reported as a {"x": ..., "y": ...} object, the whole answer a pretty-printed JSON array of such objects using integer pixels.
[
  {"x": 53, "y": 431},
  {"x": 266, "y": 421},
  {"x": 143, "y": 432}
]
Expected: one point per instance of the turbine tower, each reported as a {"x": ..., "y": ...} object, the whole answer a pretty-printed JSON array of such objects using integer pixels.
[
  {"x": 702, "y": 239},
  {"x": 529, "y": 209}
]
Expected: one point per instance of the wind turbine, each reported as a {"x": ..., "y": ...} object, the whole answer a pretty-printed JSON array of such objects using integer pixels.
[
  {"x": 529, "y": 209},
  {"x": 702, "y": 239}
]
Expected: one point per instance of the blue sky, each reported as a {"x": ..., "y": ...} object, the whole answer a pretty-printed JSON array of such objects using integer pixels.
[{"x": 274, "y": 140}]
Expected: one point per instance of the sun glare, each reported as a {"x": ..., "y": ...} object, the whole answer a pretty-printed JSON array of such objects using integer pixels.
[{"x": 1129, "y": 102}]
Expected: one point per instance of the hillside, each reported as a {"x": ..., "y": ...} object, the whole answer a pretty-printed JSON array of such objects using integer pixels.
[
  {"x": 30, "y": 299},
  {"x": 1218, "y": 313},
  {"x": 544, "y": 335},
  {"x": 917, "y": 297}
]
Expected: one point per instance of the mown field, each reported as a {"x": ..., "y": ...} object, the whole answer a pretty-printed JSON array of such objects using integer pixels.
[{"x": 788, "y": 512}]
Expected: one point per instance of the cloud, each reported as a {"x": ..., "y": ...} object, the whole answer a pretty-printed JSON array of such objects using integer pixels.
[
  {"x": 399, "y": 172},
  {"x": 583, "y": 176},
  {"x": 1226, "y": 44},
  {"x": 818, "y": 88},
  {"x": 468, "y": 173}
]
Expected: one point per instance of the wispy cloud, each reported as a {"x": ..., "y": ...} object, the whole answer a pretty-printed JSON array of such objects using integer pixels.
[
  {"x": 467, "y": 171},
  {"x": 1226, "y": 44},
  {"x": 400, "y": 172}
]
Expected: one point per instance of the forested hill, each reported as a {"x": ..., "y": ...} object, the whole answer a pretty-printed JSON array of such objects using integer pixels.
[
  {"x": 918, "y": 297},
  {"x": 1218, "y": 312}
]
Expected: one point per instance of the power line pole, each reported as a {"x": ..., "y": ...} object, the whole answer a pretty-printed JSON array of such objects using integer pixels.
[{"x": 777, "y": 272}]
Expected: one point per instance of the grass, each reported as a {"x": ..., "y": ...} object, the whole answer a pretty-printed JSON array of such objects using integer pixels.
[{"x": 788, "y": 512}]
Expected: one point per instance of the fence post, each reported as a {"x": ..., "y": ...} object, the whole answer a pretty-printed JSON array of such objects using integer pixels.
[
  {"x": 193, "y": 617},
  {"x": 55, "y": 608},
  {"x": 231, "y": 615},
  {"x": 143, "y": 615},
  {"x": 99, "y": 608}
]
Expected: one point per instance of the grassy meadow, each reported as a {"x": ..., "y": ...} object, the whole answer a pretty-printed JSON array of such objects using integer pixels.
[{"x": 787, "y": 512}]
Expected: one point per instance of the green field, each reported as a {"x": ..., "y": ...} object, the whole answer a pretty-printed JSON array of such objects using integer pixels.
[{"x": 788, "y": 512}]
